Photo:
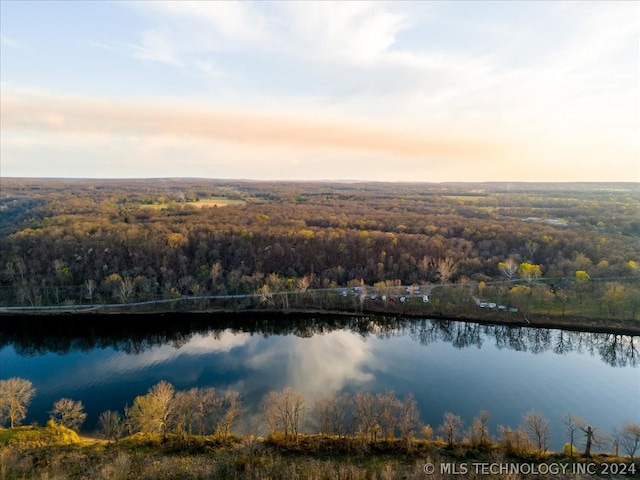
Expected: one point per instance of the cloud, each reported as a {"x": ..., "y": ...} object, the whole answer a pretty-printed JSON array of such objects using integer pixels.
[
  {"x": 71, "y": 115},
  {"x": 381, "y": 90},
  {"x": 358, "y": 33},
  {"x": 157, "y": 48},
  {"x": 545, "y": 75}
]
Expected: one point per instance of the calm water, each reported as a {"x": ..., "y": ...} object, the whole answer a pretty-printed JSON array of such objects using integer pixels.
[{"x": 448, "y": 366}]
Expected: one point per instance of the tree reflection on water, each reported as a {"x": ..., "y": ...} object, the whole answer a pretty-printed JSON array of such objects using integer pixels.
[{"x": 39, "y": 335}]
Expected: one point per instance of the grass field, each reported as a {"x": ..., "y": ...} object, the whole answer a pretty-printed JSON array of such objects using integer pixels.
[{"x": 202, "y": 203}]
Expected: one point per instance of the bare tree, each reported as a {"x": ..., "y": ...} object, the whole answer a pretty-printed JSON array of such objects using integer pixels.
[
  {"x": 265, "y": 294},
  {"x": 204, "y": 410},
  {"x": 615, "y": 441},
  {"x": 208, "y": 407},
  {"x": 68, "y": 413},
  {"x": 538, "y": 428},
  {"x": 427, "y": 268},
  {"x": 514, "y": 441},
  {"x": 152, "y": 412},
  {"x": 389, "y": 411},
  {"x": 366, "y": 415},
  {"x": 303, "y": 284},
  {"x": 321, "y": 411},
  {"x": 111, "y": 425},
  {"x": 427, "y": 432},
  {"x": 409, "y": 420},
  {"x": 215, "y": 274},
  {"x": 451, "y": 428},
  {"x": 590, "y": 440},
  {"x": 90, "y": 287},
  {"x": 572, "y": 424},
  {"x": 447, "y": 267},
  {"x": 283, "y": 411},
  {"x": 508, "y": 268},
  {"x": 232, "y": 407},
  {"x": 479, "y": 431},
  {"x": 184, "y": 414},
  {"x": 334, "y": 414},
  {"x": 163, "y": 393},
  {"x": 15, "y": 396},
  {"x": 630, "y": 438},
  {"x": 531, "y": 247}
]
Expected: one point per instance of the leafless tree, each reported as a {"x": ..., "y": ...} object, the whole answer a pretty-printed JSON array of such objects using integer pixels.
[
  {"x": 451, "y": 428},
  {"x": 514, "y": 441},
  {"x": 68, "y": 413},
  {"x": 333, "y": 414},
  {"x": 615, "y": 441},
  {"x": 283, "y": 411},
  {"x": 479, "y": 431},
  {"x": 111, "y": 425},
  {"x": 630, "y": 438},
  {"x": 508, "y": 268},
  {"x": 409, "y": 420},
  {"x": 90, "y": 287},
  {"x": 185, "y": 407},
  {"x": 152, "y": 412},
  {"x": 215, "y": 274},
  {"x": 389, "y": 411},
  {"x": 163, "y": 393},
  {"x": 538, "y": 428},
  {"x": 447, "y": 267},
  {"x": 572, "y": 424},
  {"x": 321, "y": 411},
  {"x": 367, "y": 415},
  {"x": 207, "y": 411},
  {"x": 231, "y": 409},
  {"x": 15, "y": 396}
]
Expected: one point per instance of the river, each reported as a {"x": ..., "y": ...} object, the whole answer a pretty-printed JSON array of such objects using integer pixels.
[{"x": 459, "y": 367}]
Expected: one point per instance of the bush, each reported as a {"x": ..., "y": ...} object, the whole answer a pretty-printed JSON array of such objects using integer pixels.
[{"x": 570, "y": 450}]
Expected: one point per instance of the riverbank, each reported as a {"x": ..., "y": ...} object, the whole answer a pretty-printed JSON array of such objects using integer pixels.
[
  {"x": 532, "y": 320},
  {"x": 147, "y": 456}
]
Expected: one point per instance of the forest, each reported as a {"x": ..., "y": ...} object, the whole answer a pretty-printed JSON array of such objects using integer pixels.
[{"x": 553, "y": 248}]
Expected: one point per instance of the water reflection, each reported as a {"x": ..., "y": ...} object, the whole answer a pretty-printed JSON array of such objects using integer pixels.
[
  {"x": 105, "y": 361},
  {"x": 31, "y": 336}
]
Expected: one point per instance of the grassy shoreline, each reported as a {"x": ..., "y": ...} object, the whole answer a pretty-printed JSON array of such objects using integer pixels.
[{"x": 55, "y": 452}]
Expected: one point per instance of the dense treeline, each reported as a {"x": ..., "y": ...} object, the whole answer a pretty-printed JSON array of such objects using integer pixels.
[{"x": 122, "y": 241}]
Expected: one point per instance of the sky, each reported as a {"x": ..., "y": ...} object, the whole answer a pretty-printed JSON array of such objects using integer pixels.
[{"x": 384, "y": 91}]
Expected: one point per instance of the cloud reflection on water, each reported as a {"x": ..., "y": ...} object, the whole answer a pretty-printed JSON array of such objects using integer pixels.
[{"x": 320, "y": 364}]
